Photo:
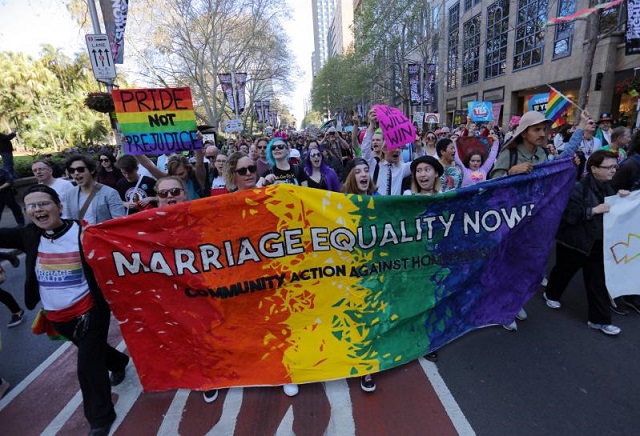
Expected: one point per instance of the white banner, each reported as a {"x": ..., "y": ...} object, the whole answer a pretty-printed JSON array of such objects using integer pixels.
[{"x": 622, "y": 245}]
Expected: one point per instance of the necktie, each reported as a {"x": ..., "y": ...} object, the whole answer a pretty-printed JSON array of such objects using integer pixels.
[{"x": 388, "y": 179}]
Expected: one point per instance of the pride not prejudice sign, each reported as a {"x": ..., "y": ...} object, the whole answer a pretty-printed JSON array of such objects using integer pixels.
[{"x": 156, "y": 121}]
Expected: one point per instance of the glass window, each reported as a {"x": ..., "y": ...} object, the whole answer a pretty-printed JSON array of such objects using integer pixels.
[
  {"x": 454, "y": 40},
  {"x": 471, "y": 50},
  {"x": 529, "y": 39},
  {"x": 563, "y": 39},
  {"x": 497, "y": 37}
]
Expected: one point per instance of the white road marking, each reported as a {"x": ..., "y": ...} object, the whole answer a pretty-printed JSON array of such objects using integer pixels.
[
  {"x": 286, "y": 425},
  {"x": 34, "y": 374},
  {"x": 226, "y": 426},
  {"x": 449, "y": 403},
  {"x": 171, "y": 422},
  {"x": 341, "y": 421},
  {"x": 56, "y": 424}
]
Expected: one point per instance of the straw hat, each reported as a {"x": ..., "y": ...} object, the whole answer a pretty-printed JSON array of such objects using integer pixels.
[{"x": 529, "y": 119}]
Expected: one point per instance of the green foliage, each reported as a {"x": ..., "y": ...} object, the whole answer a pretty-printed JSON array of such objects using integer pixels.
[
  {"x": 340, "y": 84},
  {"x": 311, "y": 119},
  {"x": 43, "y": 100}
]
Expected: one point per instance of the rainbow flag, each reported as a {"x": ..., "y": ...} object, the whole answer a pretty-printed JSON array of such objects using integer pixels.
[
  {"x": 156, "y": 120},
  {"x": 556, "y": 107},
  {"x": 287, "y": 284}
]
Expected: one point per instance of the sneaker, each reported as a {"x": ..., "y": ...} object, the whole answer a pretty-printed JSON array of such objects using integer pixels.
[
  {"x": 551, "y": 303},
  {"x": 210, "y": 395},
  {"x": 618, "y": 306},
  {"x": 431, "y": 357},
  {"x": 607, "y": 329},
  {"x": 513, "y": 327},
  {"x": 4, "y": 387},
  {"x": 522, "y": 315},
  {"x": 290, "y": 390},
  {"x": 367, "y": 384},
  {"x": 16, "y": 318},
  {"x": 544, "y": 282}
]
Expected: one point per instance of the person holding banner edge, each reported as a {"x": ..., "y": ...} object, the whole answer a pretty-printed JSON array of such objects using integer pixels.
[
  {"x": 58, "y": 275},
  {"x": 580, "y": 238}
]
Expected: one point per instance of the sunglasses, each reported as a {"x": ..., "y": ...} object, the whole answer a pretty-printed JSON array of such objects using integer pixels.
[
  {"x": 164, "y": 193},
  {"x": 431, "y": 138},
  {"x": 104, "y": 160},
  {"x": 261, "y": 147},
  {"x": 280, "y": 146},
  {"x": 244, "y": 170},
  {"x": 314, "y": 155},
  {"x": 76, "y": 169}
]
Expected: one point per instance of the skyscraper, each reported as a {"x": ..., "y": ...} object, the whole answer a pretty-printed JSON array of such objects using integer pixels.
[{"x": 322, "y": 14}]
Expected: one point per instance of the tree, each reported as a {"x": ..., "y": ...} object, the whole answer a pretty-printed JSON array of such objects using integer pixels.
[
  {"x": 190, "y": 42},
  {"x": 43, "y": 99}
]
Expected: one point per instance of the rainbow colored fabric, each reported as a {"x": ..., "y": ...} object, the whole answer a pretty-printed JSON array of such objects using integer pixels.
[
  {"x": 556, "y": 107},
  {"x": 290, "y": 284}
]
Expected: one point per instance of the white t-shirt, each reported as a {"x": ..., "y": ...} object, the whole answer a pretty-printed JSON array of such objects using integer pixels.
[
  {"x": 61, "y": 186},
  {"x": 59, "y": 271}
]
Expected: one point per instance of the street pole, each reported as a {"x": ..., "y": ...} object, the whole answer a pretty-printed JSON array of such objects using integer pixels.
[{"x": 96, "y": 29}]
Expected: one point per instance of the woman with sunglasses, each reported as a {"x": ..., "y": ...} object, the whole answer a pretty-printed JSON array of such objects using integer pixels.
[
  {"x": 57, "y": 275},
  {"x": 319, "y": 174},
  {"x": 108, "y": 174},
  {"x": 429, "y": 140},
  {"x": 475, "y": 168},
  {"x": 281, "y": 171}
]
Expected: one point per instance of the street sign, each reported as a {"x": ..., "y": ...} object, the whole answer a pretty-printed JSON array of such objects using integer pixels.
[
  {"x": 101, "y": 58},
  {"x": 230, "y": 126}
]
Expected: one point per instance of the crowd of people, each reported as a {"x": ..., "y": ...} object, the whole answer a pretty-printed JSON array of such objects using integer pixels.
[{"x": 91, "y": 189}]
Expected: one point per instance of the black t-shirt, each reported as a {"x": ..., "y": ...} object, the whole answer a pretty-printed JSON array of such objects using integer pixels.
[
  {"x": 128, "y": 191},
  {"x": 294, "y": 175}
]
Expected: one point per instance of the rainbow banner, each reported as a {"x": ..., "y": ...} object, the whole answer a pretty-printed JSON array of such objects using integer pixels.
[
  {"x": 290, "y": 284},
  {"x": 557, "y": 105},
  {"x": 156, "y": 121}
]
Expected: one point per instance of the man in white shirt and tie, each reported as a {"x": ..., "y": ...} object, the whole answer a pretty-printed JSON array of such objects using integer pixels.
[{"x": 389, "y": 172}]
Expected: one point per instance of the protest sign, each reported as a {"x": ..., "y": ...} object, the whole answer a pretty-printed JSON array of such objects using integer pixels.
[
  {"x": 315, "y": 285},
  {"x": 622, "y": 245},
  {"x": 480, "y": 111},
  {"x": 397, "y": 129},
  {"x": 156, "y": 121},
  {"x": 432, "y": 118},
  {"x": 466, "y": 145}
]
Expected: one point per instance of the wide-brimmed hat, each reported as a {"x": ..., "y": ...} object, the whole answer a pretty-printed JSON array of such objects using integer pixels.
[
  {"x": 605, "y": 116},
  {"x": 529, "y": 119},
  {"x": 428, "y": 160}
]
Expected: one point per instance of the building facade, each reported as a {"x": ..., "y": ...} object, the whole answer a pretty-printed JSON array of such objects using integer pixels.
[{"x": 504, "y": 52}]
